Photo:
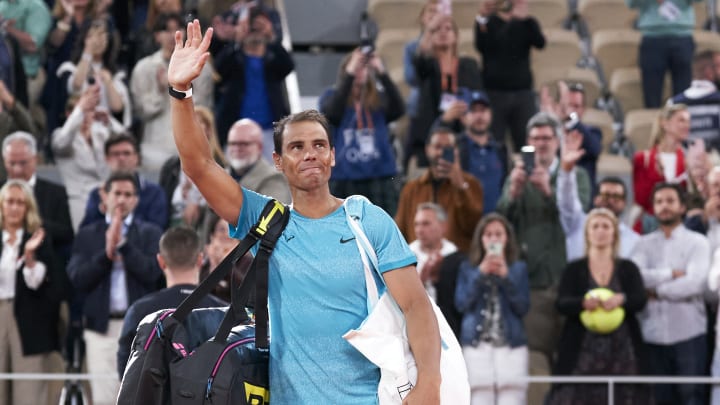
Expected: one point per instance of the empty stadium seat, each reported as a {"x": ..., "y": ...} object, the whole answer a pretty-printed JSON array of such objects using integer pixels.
[
  {"x": 464, "y": 12},
  {"x": 613, "y": 165},
  {"x": 606, "y": 14},
  {"x": 616, "y": 48},
  {"x": 550, "y": 13},
  {"x": 562, "y": 50},
  {"x": 571, "y": 74},
  {"x": 390, "y": 44},
  {"x": 604, "y": 121},
  {"x": 706, "y": 41},
  {"x": 626, "y": 87},
  {"x": 396, "y": 13},
  {"x": 638, "y": 127}
]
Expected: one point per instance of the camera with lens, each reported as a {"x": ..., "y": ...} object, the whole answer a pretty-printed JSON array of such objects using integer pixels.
[{"x": 367, "y": 39}]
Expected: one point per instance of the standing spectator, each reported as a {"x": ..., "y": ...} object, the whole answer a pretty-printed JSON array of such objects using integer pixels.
[
  {"x": 32, "y": 286},
  {"x": 663, "y": 162},
  {"x": 218, "y": 244},
  {"x": 148, "y": 86},
  {"x": 583, "y": 352},
  {"x": 121, "y": 154},
  {"x": 252, "y": 74},
  {"x": 493, "y": 295},
  {"x": 428, "y": 12},
  {"x": 504, "y": 35},
  {"x": 674, "y": 264},
  {"x": 361, "y": 114},
  {"x": 442, "y": 78},
  {"x": 141, "y": 41},
  {"x": 446, "y": 184},
  {"x": 667, "y": 45},
  {"x": 227, "y": 14},
  {"x": 13, "y": 117},
  {"x": 707, "y": 220},
  {"x": 113, "y": 265}
]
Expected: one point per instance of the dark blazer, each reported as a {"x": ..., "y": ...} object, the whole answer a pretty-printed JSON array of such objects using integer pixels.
[
  {"x": 37, "y": 312},
  {"x": 90, "y": 268},
  {"x": 575, "y": 282},
  {"x": 52, "y": 201}
]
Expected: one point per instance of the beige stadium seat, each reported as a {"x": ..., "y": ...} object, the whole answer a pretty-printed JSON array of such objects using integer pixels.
[
  {"x": 638, "y": 127},
  {"x": 466, "y": 44},
  {"x": 464, "y": 12},
  {"x": 606, "y": 14},
  {"x": 397, "y": 76},
  {"x": 613, "y": 165},
  {"x": 626, "y": 86},
  {"x": 396, "y": 13},
  {"x": 706, "y": 41},
  {"x": 571, "y": 74},
  {"x": 616, "y": 48},
  {"x": 390, "y": 45},
  {"x": 701, "y": 14},
  {"x": 550, "y": 13},
  {"x": 604, "y": 121},
  {"x": 562, "y": 49}
]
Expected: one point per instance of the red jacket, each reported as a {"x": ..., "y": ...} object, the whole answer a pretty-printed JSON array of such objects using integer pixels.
[{"x": 647, "y": 172}]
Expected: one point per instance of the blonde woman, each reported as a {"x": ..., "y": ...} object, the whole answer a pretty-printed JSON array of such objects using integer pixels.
[
  {"x": 663, "y": 162},
  {"x": 582, "y": 352},
  {"x": 31, "y": 288}
]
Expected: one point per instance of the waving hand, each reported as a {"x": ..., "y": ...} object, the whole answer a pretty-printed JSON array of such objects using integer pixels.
[{"x": 188, "y": 58}]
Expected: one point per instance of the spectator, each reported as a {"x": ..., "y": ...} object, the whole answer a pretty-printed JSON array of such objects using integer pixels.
[
  {"x": 252, "y": 72},
  {"x": 707, "y": 220},
  {"x": 667, "y": 45},
  {"x": 528, "y": 204},
  {"x": 663, "y": 162},
  {"x": 227, "y": 14},
  {"x": 620, "y": 352},
  {"x": 480, "y": 154},
  {"x": 247, "y": 164},
  {"x": 702, "y": 99},
  {"x": 442, "y": 76},
  {"x": 113, "y": 265},
  {"x": 78, "y": 149},
  {"x": 493, "y": 295},
  {"x": 430, "y": 246},
  {"x": 121, "y": 154},
  {"x": 361, "y": 114},
  {"x": 218, "y": 244},
  {"x": 674, "y": 264},
  {"x": 504, "y": 35},
  {"x": 148, "y": 87},
  {"x": 428, "y": 12},
  {"x": 31, "y": 289},
  {"x": 188, "y": 207},
  {"x": 139, "y": 40},
  {"x": 179, "y": 257},
  {"x": 447, "y": 185},
  {"x": 13, "y": 117},
  {"x": 612, "y": 196}
]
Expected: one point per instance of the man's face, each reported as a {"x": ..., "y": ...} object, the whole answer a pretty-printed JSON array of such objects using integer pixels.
[
  {"x": 307, "y": 158},
  {"x": 667, "y": 206},
  {"x": 166, "y": 37},
  {"x": 546, "y": 144},
  {"x": 434, "y": 151},
  {"x": 20, "y": 163},
  {"x": 244, "y": 146},
  {"x": 122, "y": 195},
  {"x": 714, "y": 184},
  {"x": 478, "y": 118},
  {"x": 429, "y": 230},
  {"x": 122, "y": 156},
  {"x": 612, "y": 197},
  {"x": 576, "y": 103}
]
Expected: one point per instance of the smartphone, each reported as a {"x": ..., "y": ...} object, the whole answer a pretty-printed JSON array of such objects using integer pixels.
[
  {"x": 495, "y": 248},
  {"x": 528, "y": 158},
  {"x": 448, "y": 154},
  {"x": 572, "y": 122}
]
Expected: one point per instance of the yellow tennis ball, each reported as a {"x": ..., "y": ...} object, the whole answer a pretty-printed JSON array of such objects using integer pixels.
[{"x": 599, "y": 320}]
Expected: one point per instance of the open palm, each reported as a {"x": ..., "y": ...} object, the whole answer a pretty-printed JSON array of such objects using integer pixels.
[{"x": 188, "y": 58}]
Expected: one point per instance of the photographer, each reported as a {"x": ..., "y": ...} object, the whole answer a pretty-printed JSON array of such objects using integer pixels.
[{"x": 360, "y": 113}]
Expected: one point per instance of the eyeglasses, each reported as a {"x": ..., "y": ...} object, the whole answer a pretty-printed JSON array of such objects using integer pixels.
[
  {"x": 240, "y": 144},
  {"x": 121, "y": 153},
  {"x": 541, "y": 138},
  {"x": 579, "y": 87},
  {"x": 612, "y": 196}
]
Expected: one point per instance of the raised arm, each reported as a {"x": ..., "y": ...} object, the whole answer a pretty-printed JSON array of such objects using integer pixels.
[{"x": 222, "y": 193}]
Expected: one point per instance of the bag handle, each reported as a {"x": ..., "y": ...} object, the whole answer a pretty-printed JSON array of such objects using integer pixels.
[{"x": 367, "y": 252}]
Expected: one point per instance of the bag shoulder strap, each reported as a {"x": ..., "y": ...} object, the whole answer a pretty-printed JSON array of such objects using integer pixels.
[{"x": 354, "y": 210}]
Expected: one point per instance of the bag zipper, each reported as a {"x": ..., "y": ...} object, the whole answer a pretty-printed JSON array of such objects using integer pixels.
[
  {"x": 220, "y": 359},
  {"x": 158, "y": 329}
]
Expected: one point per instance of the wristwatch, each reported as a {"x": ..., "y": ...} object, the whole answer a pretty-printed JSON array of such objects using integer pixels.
[{"x": 180, "y": 94}]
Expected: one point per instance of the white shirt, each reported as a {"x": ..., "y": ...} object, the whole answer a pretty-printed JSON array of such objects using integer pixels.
[
  {"x": 447, "y": 248},
  {"x": 679, "y": 312},
  {"x": 118, "y": 283},
  {"x": 10, "y": 263}
]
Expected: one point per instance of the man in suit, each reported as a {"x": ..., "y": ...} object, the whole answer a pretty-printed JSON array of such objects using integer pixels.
[
  {"x": 113, "y": 265},
  {"x": 244, "y": 155},
  {"x": 19, "y": 152}
]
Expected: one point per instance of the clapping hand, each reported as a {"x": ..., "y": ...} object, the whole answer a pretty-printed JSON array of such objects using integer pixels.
[
  {"x": 113, "y": 234},
  {"x": 32, "y": 245},
  {"x": 188, "y": 58},
  {"x": 571, "y": 151}
]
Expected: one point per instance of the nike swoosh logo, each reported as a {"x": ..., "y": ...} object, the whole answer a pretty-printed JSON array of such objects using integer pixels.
[
  {"x": 288, "y": 238},
  {"x": 342, "y": 240}
]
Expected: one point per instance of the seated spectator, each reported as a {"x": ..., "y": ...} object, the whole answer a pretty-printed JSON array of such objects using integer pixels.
[
  {"x": 504, "y": 35},
  {"x": 180, "y": 255},
  {"x": 702, "y": 99},
  {"x": 185, "y": 204},
  {"x": 442, "y": 76},
  {"x": 429, "y": 10},
  {"x": 480, "y": 154},
  {"x": 149, "y": 88},
  {"x": 252, "y": 77},
  {"x": 582, "y": 352},
  {"x": 361, "y": 114},
  {"x": 674, "y": 263},
  {"x": 113, "y": 265},
  {"x": 31, "y": 289},
  {"x": 612, "y": 195},
  {"x": 121, "y": 154},
  {"x": 663, "y": 162},
  {"x": 14, "y": 117},
  {"x": 699, "y": 164},
  {"x": 447, "y": 185},
  {"x": 78, "y": 149},
  {"x": 493, "y": 295}
]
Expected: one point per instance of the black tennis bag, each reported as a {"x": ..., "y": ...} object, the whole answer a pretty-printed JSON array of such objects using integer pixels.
[{"x": 189, "y": 356}]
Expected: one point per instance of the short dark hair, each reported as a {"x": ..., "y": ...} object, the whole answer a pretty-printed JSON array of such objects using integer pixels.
[
  {"x": 120, "y": 138},
  {"x": 614, "y": 180},
  {"x": 302, "y": 116},
  {"x": 672, "y": 186},
  {"x": 440, "y": 129},
  {"x": 477, "y": 249},
  {"x": 180, "y": 247},
  {"x": 162, "y": 20},
  {"x": 121, "y": 176}
]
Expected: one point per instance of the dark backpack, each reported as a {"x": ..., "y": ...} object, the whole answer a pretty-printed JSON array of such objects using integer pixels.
[{"x": 189, "y": 356}]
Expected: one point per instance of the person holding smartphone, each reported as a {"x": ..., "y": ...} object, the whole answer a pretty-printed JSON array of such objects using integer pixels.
[{"x": 493, "y": 295}]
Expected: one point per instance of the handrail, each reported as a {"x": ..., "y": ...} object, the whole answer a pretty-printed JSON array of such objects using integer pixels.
[{"x": 291, "y": 81}]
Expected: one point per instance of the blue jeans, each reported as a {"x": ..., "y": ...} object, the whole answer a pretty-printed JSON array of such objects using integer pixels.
[
  {"x": 657, "y": 56},
  {"x": 686, "y": 358}
]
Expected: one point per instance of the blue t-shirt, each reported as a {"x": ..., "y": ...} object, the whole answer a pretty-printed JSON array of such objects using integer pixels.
[
  {"x": 316, "y": 294},
  {"x": 486, "y": 166},
  {"x": 256, "y": 103}
]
